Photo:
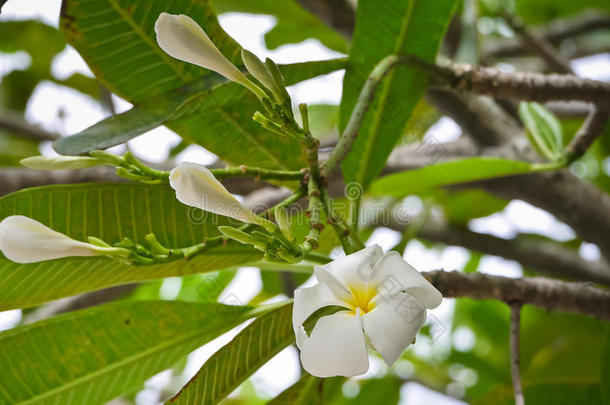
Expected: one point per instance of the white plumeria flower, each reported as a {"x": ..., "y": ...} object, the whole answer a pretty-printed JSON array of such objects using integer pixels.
[
  {"x": 182, "y": 38},
  {"x": 24, "y": 240},
  {"x": 385, "y": 301},
  {"x": 197, "y": 187}
]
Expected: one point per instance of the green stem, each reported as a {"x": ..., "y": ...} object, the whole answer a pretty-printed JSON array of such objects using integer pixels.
[
  {"x": 145, "y": 170},
  {"x": 317, "y": 258},
  {"x": 249, "y": 171},
  {"x": 348, "y": 238},
  {"x": 313, "y": 210},
  {"x": 367, "y": 94},
  {"x": 290, "y": 200}
]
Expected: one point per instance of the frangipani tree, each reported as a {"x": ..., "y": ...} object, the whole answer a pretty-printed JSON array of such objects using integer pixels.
[{"x": 178, "y": 68}]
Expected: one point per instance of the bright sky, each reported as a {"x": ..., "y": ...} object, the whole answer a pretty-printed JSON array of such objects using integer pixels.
[{"x": 248, "y": 30}]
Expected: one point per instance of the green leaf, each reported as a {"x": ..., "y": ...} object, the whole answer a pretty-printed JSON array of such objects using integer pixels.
[
  {"x": 241, "y": 357},
  {"x": 543, "y": 129},
  {"x": 448, "y": 173},
  {"x": 110, "y": 212},
  {"x": 384, "y": 28},
  {"x": 212, "y": 112},
  {"x": 116, "y": 38},
  {"x": 94, "y": 355},
  {"x": 294, "y": 24},
  {"x": 30, "y": 33},
  {"x": 306, "y": 391}
]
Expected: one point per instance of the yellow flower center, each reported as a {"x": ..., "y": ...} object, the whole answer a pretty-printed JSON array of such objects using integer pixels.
[{"x": 362, "y": 298}]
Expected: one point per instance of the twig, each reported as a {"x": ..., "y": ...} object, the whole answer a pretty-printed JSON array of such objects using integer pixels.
[
  {"x": 554, "y": 33},
  {"x": 588, "y": 132},
  {"x": 13, "y": 122},
  {"x": 539, "y": 45},
  {"x": 552, "y": 295},
  {"x": 515, "y": 326}
]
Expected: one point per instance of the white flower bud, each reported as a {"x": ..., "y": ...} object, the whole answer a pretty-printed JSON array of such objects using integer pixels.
[
  {"x": 24, "y": 240},
  {"x": 196, "y": 186},
  {"x": 182, "y": 38},
  {"x": 60, "y": 162}
]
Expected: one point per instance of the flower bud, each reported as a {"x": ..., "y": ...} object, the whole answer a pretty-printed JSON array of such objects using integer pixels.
[
  {"x": 197, "y": 187},
  {"x": 24, "y": 240},
  {"x": 242, "y": 237},
  {"x": 284, "y": 223},
  {"x": 60, "y": 162},
  {"x": 261, "y": 73},
  {"x": 182, "y": 38}
]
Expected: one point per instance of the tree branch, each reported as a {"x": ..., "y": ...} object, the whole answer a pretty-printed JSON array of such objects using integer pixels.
[
  {"x": 588, "y": 132},
  {"x": 554, "y": 33},
  {"x": 466, "y": 109},
  {"x": 547, "y": 257},
  {"x": 539, "y": 45},
  {"x": 552, "y": 295},
  {"x": 515, "y": 331},
  {"x": 529, "y": 86},
  {"x": 14, "y": 122}
]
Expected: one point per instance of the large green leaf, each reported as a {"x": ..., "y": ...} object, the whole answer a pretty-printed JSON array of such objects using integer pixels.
[
  {"x": 241, "y": 357},
  {"x": 94, "y": 355},
  {"x": 294, "y": 24},
  {"x": 448, "y": 173},
  {"x": 111, "y": 212},
  {"x": 116, "y": 38},
  {"x": 384, "y": 28}
]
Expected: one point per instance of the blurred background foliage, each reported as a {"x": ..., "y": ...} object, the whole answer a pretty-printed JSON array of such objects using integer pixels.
[{"x": 565, "y": 358}]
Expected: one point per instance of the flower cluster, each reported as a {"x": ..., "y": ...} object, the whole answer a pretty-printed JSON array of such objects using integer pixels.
[{"x": 379, "y": 300}]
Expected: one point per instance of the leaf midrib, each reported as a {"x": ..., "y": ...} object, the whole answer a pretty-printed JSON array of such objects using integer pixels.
[{"x": 385, "y": 91}]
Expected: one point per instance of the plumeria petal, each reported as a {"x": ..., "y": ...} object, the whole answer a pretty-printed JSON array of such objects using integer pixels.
[
  {"x": 336, "y": 347},
  {"x": 351, "y": 272},
  {"x": 24, "y": 240},
  {"x": 196, "y": 186},
  {"x": 308, "y": 300},
  {"x": 392, "y": 325},
  {"x": 182, "y": 38},
  {"x": 393, "y": 275}
]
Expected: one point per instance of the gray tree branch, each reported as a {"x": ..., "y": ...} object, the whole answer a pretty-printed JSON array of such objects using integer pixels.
[{"x": 552, "y": 295}]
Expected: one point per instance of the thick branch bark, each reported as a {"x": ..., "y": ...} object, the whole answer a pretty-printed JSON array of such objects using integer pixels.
[
  {"x": 552, "y": 295},
  {"x": 527, "y": 86}
]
